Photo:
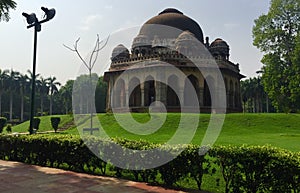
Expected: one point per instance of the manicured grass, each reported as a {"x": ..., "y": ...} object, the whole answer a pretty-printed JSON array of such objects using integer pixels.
[
  {"x": 45, "y": 124},
  {"x": 280, "y": 130}
]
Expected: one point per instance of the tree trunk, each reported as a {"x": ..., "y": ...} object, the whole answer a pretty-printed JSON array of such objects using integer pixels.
[
  {"x": 22, "y": 107},
  {"x": 50, "y": 104},
  {"x": 0, "y": 104},
  {"x": 42, "y": 104},
  {"x": 10, "y": 105}
]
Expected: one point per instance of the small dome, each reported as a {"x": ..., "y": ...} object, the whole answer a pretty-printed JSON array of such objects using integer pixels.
[
  {"x": 219, "y": 43},
  {"x": 120, "y": 52},
  {"x": 187, "y": 44},
  {"x": 186, "y": 36},
  {"x": 219, "y": 48},
  {"x": 140, "y": 40}
]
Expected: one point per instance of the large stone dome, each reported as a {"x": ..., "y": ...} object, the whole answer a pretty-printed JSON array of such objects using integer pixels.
[{"x": 171, "y": 18}]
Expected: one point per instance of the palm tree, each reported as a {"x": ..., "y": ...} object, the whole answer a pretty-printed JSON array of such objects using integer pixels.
[
  {"x": 5, "y": 6},
  {"x": 43, "y": 88},
  {"x": 12, "y": 81},
  {"x": 3, "y": 77},
  {"x": 31, "y": 78},
  {"x": 65, "y": 93},
  {"x": 53, "y": 89},
  {"x": 24, "y": 85}
]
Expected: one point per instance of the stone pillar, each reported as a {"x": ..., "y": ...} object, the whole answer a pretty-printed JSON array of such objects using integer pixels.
[
  {"x": 201, "y": 97},
  {"x": 181, "y": 96},
  {"x": 160, "y": 88},
  {"x": 142, "y": 95}
]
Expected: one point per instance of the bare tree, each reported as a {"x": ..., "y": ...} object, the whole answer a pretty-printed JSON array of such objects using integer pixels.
[{"x": 89, "y": 64}]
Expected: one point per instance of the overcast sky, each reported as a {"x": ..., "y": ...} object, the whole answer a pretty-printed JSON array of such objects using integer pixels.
[{"x": 231, "y": 20}]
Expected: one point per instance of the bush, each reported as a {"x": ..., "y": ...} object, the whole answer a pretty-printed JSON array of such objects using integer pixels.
[
  {"x": 36, "y": 123},
  {"x": 55, "y": 122},
  {"x": 244, "y": 169},
  {"x": 3, "y": 122},
  {"x": 9, "y": 128}
]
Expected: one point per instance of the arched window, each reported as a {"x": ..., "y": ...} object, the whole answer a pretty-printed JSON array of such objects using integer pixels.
[
  {"x": 149, "y": 90},
  {"x": 191, "y": 86},
  {"x": 119, "y": 94},
  {"x": 208, "y": 91},
  {"x": 134, "y": 92},
  {"x": 172, "y": 98}
]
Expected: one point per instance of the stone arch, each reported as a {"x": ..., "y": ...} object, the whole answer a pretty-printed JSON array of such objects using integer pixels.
[
  {"x": 119, "y": 94},
  {"x": 149, "y": 90},
  {"x": 208, "y": 91},
  {"x": 134, "y": 89},
  {"x": 189, "y": 99},
  {"x": 172, "y": 89}
]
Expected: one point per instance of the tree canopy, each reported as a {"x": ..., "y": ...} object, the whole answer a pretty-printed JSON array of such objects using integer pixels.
[
  {"x": 277, "y": 35},
  {"x": 5, "y": 6}
]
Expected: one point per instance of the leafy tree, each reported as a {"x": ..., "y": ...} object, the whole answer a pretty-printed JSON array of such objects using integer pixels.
[
  {"x": 3, "y": 77},
  {"x": 23, "y": 85},
  {"x": 65, "y": 95},
  {"x": 275, "y": 34},
  {"x": 3, "y": 122},
  {"x": 12, "y": 82},
  {"x": 100, "y": 95},
  {"x": 5, "y": 6},
  {"x": 43, "y": 89},
  {"x": 255, "y": 99},
  {"x": 53, "y": 84}
]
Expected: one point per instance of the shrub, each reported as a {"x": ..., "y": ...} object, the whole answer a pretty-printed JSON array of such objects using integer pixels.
[
  {"x": 36, "y": 123},
  {"x": 9, "y": 128},
  {"x": 244, "y": 169},
  {"x": 3, "y": 122},
  {"x": 55, "y": 122}
]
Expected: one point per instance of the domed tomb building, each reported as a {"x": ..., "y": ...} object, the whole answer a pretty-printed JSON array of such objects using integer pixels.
[{"x": 148, "y": 72}]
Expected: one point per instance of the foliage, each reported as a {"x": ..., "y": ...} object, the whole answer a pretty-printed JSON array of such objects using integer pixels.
[
  {"x": 36, "y": 123},
  {"x": 55, "y": 122},
  {"x": 9, "y": 128},
  {"x": 244, "y": 168},
  {"x": 255, "y": 99},
  {"x": 5, "y": 6},
  {"x": 275, "y": 33},
  {"x": 100, "y": 95},
  {"x": 3, "y": 121}
]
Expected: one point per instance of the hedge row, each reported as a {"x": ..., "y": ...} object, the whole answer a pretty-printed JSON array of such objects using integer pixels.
[{"x": 244, "y": 169}]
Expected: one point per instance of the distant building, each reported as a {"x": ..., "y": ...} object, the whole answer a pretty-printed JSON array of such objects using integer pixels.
[{"x": 155, "y": 47}]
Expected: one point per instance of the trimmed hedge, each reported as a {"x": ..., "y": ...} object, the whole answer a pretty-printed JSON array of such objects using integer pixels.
[
  {"x": 55, "y": 122},
  {"x": 3, "y": 122},
  {"x": 244, "y": 169}
]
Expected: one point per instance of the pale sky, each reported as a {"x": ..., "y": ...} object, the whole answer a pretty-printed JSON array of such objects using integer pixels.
[{"x": 231, "y": 20}]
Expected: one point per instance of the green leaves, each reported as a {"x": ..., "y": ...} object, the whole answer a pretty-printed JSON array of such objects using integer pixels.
[
  {"x": 275, "y": 34},
  {"x": 244, "y": 168}
]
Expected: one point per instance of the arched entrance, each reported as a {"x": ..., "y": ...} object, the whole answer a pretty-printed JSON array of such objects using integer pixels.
[
  {"x": 172, "y": 98},
  {"x": 135, "y": 92},
  {"x": 149, "y": 91},
  {"x": 191, "y": 85}
]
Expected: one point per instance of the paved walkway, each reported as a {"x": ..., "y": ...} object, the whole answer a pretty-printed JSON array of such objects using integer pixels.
[{"x": 17, "y": 177}]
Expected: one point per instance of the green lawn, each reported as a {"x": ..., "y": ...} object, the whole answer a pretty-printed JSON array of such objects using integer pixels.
[
  {"x": 280, "y": 130},
  {"x": 45, "y": 124}
]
